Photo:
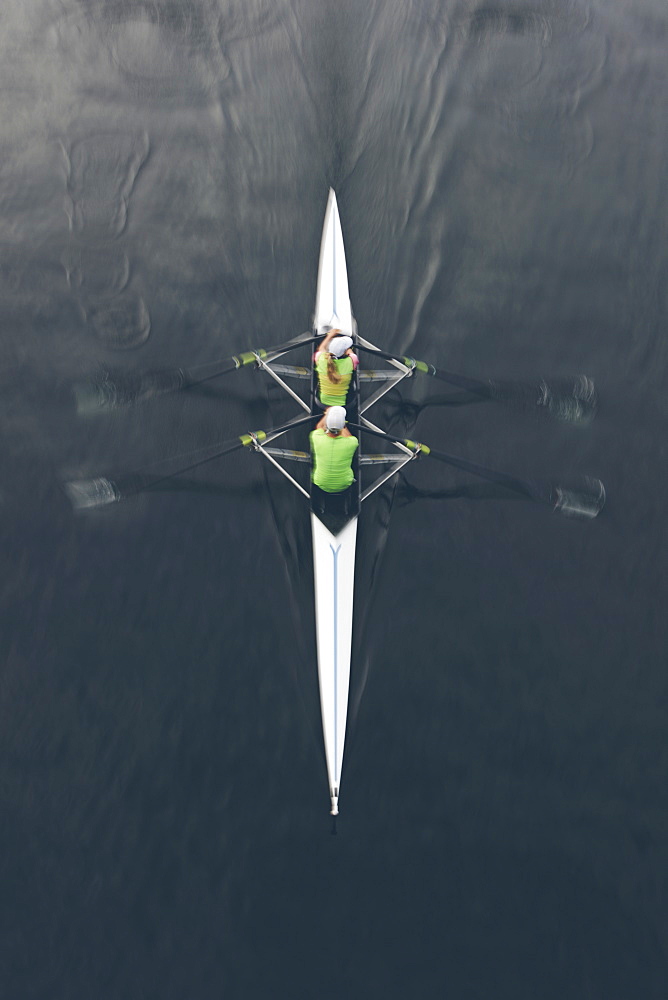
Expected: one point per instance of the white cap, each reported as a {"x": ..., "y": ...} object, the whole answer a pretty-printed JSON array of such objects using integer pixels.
[
  {"x": 339, "y": 345},
  {"x": 335, "y": 418}
]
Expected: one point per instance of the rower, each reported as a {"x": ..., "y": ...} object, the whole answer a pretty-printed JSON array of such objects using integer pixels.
[
  {"x": 333, "y": 448},
  {"x": 335, "y": 363}
]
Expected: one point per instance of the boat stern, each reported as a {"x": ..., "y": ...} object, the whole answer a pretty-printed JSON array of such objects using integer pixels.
[{"x": 334, "y": 577}]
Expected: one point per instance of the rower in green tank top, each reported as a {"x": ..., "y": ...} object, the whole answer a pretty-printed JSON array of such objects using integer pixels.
[
  {"x": 335, "y": 363},
  {"x": 333, "y": 448}
]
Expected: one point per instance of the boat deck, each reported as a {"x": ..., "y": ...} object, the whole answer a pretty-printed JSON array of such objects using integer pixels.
[{"x": 336, "y": 516}]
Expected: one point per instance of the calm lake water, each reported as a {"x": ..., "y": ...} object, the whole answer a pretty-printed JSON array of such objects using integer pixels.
[{"x": 500, "y": 170}]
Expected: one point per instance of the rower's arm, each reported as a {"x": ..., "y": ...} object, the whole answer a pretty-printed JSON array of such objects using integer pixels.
[{"x": 329, "y": 337}]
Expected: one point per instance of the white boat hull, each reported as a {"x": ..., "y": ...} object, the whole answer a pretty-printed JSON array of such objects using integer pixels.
[
  {"x": 334, "y": 575},
  {"x": 332, "y": 302},
  {"x": 333, "y": 554}
]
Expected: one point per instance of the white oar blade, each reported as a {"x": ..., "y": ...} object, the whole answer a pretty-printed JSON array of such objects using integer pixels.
[
  {"x": 586, "y": 503},
  {"x": 86, "y": 493}
]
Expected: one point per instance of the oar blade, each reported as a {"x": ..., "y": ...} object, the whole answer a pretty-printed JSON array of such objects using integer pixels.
[
  {"x": 112, "y": 390},
  {"x": 585, "y": 502},
  {"x": 86, "y": 493},
  {"x": 573, "y": 400}
]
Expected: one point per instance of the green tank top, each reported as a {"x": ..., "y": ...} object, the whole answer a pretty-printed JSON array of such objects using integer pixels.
[
  {"x": 333, "y": 393},
  {"x": 332, "y": 461}
]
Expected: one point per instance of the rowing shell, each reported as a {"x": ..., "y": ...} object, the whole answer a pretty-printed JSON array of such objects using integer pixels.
[
  {"x": 334, "y": 533},
  {"x": 334, "y": 550},
  {"x": 334, "y": 530}
]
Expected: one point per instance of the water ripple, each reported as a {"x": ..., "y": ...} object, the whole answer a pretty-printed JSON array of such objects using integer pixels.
[
  {"x": 161, "y": 51},
  {"x": 241, "y": 19},
  {"x": 120, "y": 324},
  {"x": 102, "y": 171},
  {"x": 101, "y": 174},
  {"x": 484, "y": 23}
]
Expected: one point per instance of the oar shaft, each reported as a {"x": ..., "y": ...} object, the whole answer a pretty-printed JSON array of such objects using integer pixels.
[
  {"x": 462, "y": 381},
  {"x": 116, "y": 389},
  {"x": 502, "y": 478},
  {"x": 141, "y": 481},
  {"x": 152, "y": 483},
  {"x": 240, "y": 361},
  {"x": 533, "y": 492},
  {"x": 573, "y": 399}
]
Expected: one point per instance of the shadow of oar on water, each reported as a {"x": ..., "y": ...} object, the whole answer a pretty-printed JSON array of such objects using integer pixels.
[
  {"x": 110, "y": 390},
  {"x": 407, "y": 493},
  {"x": 570, "y": 400},
  {"x": 195, "y": 486}
]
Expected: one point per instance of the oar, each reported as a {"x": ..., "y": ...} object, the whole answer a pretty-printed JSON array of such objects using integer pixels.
[
  {"x": 97, "y": 492},
  {"x": 111, "y": 390},
  {"x": 573, "y": 399},
  {"x": 584, "y": 502}
]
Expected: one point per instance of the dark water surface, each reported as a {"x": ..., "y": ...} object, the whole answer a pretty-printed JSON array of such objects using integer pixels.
[{"x": 500, "y": 169}]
